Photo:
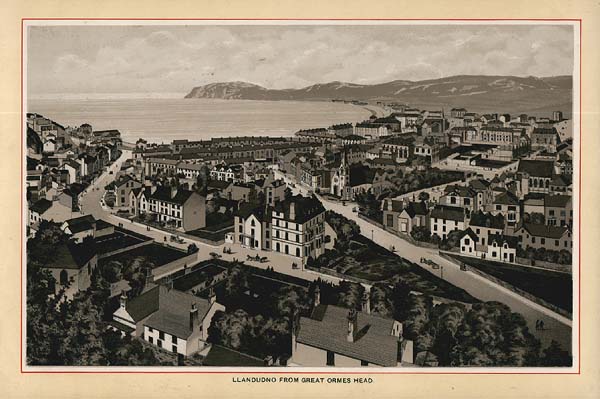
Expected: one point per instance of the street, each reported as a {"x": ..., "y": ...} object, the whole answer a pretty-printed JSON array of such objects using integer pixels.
[
  {"x": 557, "y": 327},
  {"x": 279, "y": 262}
]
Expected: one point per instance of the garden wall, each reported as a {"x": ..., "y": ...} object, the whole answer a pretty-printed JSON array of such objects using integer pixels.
[
  {"x": 174, "y": 266},
  {"x": 405, "y": 237}
]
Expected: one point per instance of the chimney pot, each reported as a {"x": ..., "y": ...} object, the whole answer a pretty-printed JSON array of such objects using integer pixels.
[
  {"x": 123, "y": 299},
  {"x": 352, "y": 325}
]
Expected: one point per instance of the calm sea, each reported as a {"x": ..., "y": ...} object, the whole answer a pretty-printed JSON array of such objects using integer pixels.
[{"x": 162, "y": 120}]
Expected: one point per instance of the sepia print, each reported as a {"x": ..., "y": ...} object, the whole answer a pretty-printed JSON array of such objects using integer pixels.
[{"x": 300, "y": 194}]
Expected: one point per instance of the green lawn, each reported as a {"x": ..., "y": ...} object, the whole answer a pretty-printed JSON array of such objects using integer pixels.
[{"x": 553, "y": 287}]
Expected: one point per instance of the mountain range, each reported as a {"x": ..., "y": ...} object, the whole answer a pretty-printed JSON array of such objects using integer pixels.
[{"x": 477, "y": 93}]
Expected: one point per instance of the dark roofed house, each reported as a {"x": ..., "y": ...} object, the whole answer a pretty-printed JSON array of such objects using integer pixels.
[
  {"x": 536, "y": 175},
  {"x": 444, "y": 219},
  {"x": 180, "y": 208},
  {"x": 173, "y": 320},
  {"x": 298, "y": 227},
  {"x": 72, "y": 265},
  {"x": 543, "y": 236},
  {"x": 336, "y": 336}
]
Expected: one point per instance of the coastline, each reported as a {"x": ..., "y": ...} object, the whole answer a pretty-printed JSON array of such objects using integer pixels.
[{"x": 197, "y": 120}]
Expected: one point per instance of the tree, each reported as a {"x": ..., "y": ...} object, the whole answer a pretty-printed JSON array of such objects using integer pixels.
[
  {"x": 381, "y": 302},
  {"x": 421, "y": 233},
  {"x": 555, "y": 356},
  {"x": 424, "y": 196}
]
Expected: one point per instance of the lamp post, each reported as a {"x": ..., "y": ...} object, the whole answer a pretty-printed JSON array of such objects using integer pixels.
[
  {"x": 442, "y": 272},
  {"x": 372, "y": 235}
]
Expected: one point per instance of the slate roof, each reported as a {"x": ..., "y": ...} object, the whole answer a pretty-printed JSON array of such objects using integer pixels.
[
  {"x": 481, "y": 219},
  {"x": 542, "y": 230},
  {"x": 536, "y": 168},
  {"x": 545, "y": 131},
  {"x": 41, "y": 206},
  {"x": 506, "y": 198},
  {"x": 173, "y": 313},
  {"x": 556, "y": 201},
  {"x": 416, "y": 208},
  {"x": 327, "y": 329},
  {"x": 81, "y": 223},
  {"x": 448, "y": 213},
  {"x": 164, "y": 194},
  {"x": 479, "y": 184},
  {"x": 306, "y": 208},
  {"x": 512, "y": 241},
  {"x": 72, "y": 255},
  {"x": 470, "y": 233},
  {"x": 463, "y": 191}
]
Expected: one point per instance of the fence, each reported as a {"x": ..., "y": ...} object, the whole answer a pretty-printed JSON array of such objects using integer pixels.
[
  {"x": 511, "y": 287},
  {"x": 331, "y": 272},
  {"x": 545, "y": 265}
]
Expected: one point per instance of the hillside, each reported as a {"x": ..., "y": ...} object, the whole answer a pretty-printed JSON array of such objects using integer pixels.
[{"x": 476, "y": 93}]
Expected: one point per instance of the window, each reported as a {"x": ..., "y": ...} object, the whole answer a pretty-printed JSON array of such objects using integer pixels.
[
  {"x": 556, "y": 243},
  {"x": 64, "y": 277},
  {"x": 390, "y": 220},
  {"x": 331, "y": 358},
  {"x": 151, "y": 340},
  {"x": 467, "y": 241},
  {"x": 498, "y": 207},
  {"x": 364, "y": 363},
  {"x": 161, "y": 335},
  {"x": 543, "y": 241},
  {"x": 533, "y": 240},
  {"x": 287, "y": 249},
  {"x": 174, "y": 348},
  {"x": 174, "y": 340},
  {"x": 298, "y": 252}
]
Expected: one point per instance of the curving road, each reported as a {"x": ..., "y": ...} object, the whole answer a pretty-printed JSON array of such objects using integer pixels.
[{"x": 556, "y": 327}]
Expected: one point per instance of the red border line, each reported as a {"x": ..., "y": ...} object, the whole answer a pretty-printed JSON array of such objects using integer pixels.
[{"x": 580, "y": 20}]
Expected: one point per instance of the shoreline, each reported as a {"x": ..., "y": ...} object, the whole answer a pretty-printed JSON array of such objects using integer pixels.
[{"x": 286, "y": 118}]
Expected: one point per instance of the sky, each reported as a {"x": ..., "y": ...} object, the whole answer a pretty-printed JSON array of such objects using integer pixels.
[{"x": 174, "y": 59}]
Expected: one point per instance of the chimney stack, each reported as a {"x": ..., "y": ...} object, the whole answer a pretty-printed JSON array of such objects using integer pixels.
[
  {"x": 292, "y": 210},
  {"x": 352, "y": 325},
  {"x": 212, "y": 296},
  {"x": 193, "y": 316},
  {"x": 317, "y": 296},
  {"x": 123, "y": 299},
  {"x": 366, "y": 302}
]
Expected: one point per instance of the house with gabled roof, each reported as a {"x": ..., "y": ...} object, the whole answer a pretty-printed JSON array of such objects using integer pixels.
[
  {"x": 444, "y": 219},
  {"x": 173, "y": 320},
  {"x": 460, "y": 196},
  {"x": 336, "y": 336},
  {"x": 555, "y": 238},
  {"x": 181, "y": 208},
  {"x": 484, "y": 224},
  {"x": 72, "y": 265},
  {"x": 535, "y": 175},
  {"x": 507, "y": 204},
  {"x": 558, "y": 210}
]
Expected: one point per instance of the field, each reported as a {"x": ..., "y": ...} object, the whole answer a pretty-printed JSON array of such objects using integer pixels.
[{"x": 553, "y": 287}]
